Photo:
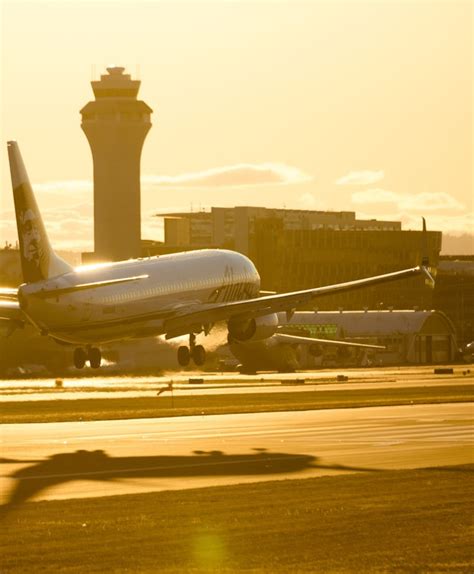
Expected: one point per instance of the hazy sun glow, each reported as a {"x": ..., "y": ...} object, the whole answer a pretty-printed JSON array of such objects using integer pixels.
[{"x": 325, "y": 105}]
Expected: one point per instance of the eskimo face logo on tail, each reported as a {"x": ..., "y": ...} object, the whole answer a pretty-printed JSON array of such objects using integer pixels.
[
  {"x": 31, "y": 237},
  {"x": 35, "y": 256}
]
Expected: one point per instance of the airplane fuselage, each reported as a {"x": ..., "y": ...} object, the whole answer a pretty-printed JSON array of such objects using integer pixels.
[{"x": 136, "y": 307}]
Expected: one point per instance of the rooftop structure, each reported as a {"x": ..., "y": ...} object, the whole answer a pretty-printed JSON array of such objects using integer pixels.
[{"x": 232, "y": 227}]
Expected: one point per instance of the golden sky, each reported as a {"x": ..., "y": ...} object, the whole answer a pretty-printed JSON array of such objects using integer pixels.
[{"x": 325, "y": 105}]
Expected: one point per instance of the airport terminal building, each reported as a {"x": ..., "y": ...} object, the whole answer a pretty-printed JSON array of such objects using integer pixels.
[{"x": 235, "y": 227}]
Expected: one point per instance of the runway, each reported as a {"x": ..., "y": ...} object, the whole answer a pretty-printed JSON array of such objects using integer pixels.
[{"x": 71, "y": 460}]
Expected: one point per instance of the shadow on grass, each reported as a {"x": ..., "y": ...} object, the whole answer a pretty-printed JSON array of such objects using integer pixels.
[{"x": 97, "y": 465}]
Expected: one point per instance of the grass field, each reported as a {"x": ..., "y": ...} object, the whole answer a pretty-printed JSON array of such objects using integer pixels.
[
  {"x": 410, "y": 521},
  {"x": 166, "y": 406}
]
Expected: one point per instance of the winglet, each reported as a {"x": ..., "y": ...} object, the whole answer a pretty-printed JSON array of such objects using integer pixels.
[
  {"x": 425, "y": 260},
  {"x": 429, "y": 279}
]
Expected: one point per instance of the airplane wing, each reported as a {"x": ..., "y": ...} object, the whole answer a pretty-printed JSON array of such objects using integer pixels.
[
  {"x": 10, "y": 311},
  {"x": 195, "y": 318},
  {"x": 11, "y": 316},
  {"x": 297, "y": 339}
]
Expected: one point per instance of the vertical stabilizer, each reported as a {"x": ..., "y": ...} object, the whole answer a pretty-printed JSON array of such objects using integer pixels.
[{"x": 38, "y": 260}]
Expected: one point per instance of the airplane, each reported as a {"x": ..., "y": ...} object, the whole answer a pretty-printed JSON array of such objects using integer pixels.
[
  {"x": 171, "y": 295},
  {"x": 288, "y": 350}
]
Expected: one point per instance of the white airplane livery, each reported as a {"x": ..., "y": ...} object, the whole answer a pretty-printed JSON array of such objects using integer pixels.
[{"x": 172, "y": 295}]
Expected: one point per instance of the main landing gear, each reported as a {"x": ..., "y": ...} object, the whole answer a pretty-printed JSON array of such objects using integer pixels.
[
  {"x": 91, "y": 354},
  {"x": 195, "y": 352}
]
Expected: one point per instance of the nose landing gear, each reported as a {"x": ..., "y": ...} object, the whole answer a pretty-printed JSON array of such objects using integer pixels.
[
  {"x": 195, "y": 352},
  {"x": 91, "y": 354}
]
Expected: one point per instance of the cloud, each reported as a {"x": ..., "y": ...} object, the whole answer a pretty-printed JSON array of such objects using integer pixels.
[
  {"x": 152, "y": 227},
  {"x": 240, "y": 175},
  {"x": 66, "y": 186},
  {"x": 365, "y": 177},
  {"x": 69, "y": 228},
  {"x": 309, "y": 201},
  {"x": 443, "y": 212},
  {"x": 376, "y": 195},
  {"x": 430, "y": 202},
  {"x": 66, "y": 205},
  {"x": 418, "y": 202},
  {"x": 455, "y": 224}
]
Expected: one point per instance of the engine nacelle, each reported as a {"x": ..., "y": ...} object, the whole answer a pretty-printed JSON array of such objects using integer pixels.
[{"x": 255, "y": 329}]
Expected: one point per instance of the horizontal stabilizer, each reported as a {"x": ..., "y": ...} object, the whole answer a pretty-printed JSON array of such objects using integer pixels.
[{"x": 46, "y": 293}]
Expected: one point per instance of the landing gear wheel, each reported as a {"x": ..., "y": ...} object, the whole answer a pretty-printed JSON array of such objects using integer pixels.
[
  {"x": 95, "y": 357},
  {"x": 184, "y": 356},
  {"x": 199, "y": 355},
  {"x": 80, "y": 357}
]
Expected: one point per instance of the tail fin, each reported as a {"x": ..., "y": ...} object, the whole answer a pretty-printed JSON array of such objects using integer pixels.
[{"x": 38, "y": 260}]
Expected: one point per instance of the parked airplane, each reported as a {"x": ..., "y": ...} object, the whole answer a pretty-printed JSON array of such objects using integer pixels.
[
  {"x": 293, "y": 347},
  {"x": 178, "y": 294}
]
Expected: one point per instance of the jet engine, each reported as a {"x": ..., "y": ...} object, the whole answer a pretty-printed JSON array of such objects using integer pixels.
[{"x": 255, "y": 329}]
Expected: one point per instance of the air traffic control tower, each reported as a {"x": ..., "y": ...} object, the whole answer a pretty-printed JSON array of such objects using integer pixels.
[{"x": 116, "y": 124}]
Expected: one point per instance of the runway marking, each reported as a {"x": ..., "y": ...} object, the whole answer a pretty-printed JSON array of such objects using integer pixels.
[
  {"x": 324, "y": 428},
  {"x": 413, "y": 432}
]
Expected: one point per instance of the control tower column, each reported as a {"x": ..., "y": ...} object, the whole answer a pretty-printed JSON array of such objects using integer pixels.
[{"x": 116, "y": 124}]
